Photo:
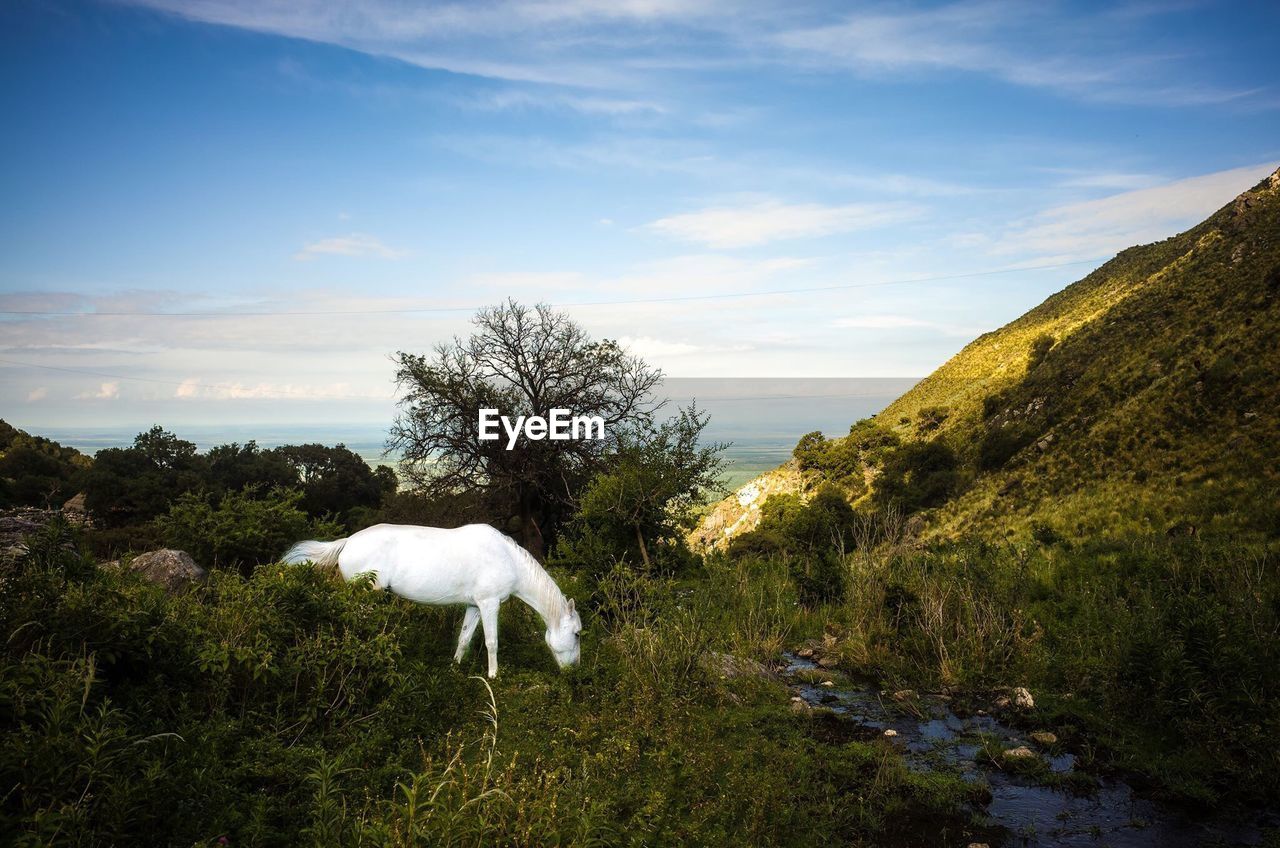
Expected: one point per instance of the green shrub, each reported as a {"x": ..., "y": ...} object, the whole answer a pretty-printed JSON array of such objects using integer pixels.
[
  {"x": 930, "y": 418},
  {"x": 1040, "y": 347},
  {"x": 243, "y": 529},
  {"x": 917, "y": 475}
]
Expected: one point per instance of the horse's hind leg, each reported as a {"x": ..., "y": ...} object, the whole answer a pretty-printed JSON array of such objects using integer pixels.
[
  {"x": 469, "y": 622},
  {"x": 489, "y": 618}
]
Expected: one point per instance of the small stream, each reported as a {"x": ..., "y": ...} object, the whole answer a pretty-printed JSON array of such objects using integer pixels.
[{"x": 1027, "y": 813}]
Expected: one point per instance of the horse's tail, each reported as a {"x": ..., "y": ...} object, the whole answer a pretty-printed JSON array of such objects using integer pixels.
[{"x": 323, "y": 554}]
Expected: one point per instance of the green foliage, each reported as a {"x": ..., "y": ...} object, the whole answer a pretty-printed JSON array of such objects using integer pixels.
[
  {"x": 640, "y": 507},
  {"x": 234, "y": 467},
  {"x": 243, "y": 529},
  {"x": 930, "y": 419},
  {"x": 1138, "y": 393},
  {"x": 1040, "y": 347},
  {"x": 135, "y": 484},
  {"x": 918, "y": 476},
  {"x": 811, "y": 537},
  {"x": 334, "y": 480},
  {"x": 35, "y": 471},
  {"x": 846, "y": 461},
  {"x": 287, "y": 706},
  {"x": 1000, "y": 444}
]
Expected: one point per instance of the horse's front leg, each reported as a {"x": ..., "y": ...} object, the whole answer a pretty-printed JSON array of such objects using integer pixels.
[
  {"x": 469, "y": 622},
  {"x": 489, "y": 618}
]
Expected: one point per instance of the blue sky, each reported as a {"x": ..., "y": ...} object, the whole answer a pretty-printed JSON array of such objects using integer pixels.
[{"x": 252, "y": 156}]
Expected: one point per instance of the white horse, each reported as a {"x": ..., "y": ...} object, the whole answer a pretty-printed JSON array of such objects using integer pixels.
[{"x": 474, "y": 565}]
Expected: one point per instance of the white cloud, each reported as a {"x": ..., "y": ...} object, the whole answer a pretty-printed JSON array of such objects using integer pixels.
[
  {"x": 648, "y": 347},
  {"x": 193, "y": 389},
  {"x": 1101, "y": 227},
  {"x": 1020, "y": 43},
  {"x": 771, "y": 220},
  {"x": 1109, "y": 55},
  {"x": 355, "y": 244},
  {"x": 37, "y": 394},
  {"x": 106, "y": 391}
]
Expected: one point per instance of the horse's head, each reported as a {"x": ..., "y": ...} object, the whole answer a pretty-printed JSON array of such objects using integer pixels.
[{"x": 562, "y": 636}]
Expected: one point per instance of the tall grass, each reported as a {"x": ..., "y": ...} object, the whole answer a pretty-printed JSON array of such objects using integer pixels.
[{"x": 288, "y": 707}]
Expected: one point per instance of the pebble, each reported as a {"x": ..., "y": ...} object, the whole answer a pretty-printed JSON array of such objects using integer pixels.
[
  {"x": 891, "y": 732},
  {"x": 1044, "y": 737},
  {"x": 904, "y": 695},
  {"x": 828, "y": 683},
  {"x": 1019, "y": 753}
]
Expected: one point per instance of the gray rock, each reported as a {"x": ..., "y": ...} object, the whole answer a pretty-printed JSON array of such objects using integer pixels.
[
  {"x": 1022, "y": 699},
  {"x": 176, "y": 571}
]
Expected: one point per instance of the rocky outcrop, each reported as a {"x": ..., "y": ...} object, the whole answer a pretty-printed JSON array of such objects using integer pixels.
[
  {"x": 176, "y": 571},
  {"x": 740, "y": 512}
]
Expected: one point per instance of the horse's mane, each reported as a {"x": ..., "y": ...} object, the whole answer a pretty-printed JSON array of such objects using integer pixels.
[{"x": 552, "y": 601}]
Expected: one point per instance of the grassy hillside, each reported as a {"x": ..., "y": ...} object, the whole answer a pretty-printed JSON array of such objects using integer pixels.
[{"x": 1141, "y": 398}]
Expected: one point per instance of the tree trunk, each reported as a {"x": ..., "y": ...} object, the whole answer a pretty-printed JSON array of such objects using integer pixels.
[{"x": 644, "y": 551}]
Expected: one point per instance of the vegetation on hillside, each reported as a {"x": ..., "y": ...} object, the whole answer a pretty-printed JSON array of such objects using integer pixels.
[
  {"x": 35, "y": 471},
  {"x": 286, "y": 707},
  {"x": 1083, "y": 503}
]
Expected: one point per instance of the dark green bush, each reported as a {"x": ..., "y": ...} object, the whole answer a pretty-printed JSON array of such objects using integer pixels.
[
  {"x": 916, "y": 476},
  {"x": 1040, "y": 347},
  {"x": 243, "y": 529}
]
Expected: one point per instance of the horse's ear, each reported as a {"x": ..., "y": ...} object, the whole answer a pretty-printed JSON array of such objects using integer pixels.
[{"x": 572, "y": 608}]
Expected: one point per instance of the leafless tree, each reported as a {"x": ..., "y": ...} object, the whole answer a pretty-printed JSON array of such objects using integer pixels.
[{"x": 521, "y": 361}]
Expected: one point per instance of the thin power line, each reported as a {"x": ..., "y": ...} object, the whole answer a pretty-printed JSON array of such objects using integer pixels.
[
  {"x": 234, "y": 387},
  {"x": 631, "y": 302}
]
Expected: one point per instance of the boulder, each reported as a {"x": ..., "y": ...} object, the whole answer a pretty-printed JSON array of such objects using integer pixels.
[
  {"x": 174, "y": 570},
  {"x": 1022, "y": 699}
]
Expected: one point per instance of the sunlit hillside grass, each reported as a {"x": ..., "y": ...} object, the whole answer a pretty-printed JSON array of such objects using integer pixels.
[{"x": 1141, "y": 398}]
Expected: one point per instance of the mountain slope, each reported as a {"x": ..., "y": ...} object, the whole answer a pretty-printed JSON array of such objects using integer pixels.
[{"x": 1141, "y": 398}]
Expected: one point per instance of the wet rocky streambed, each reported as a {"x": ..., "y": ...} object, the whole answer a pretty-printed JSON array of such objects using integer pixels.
[{"x": 1033, "y": 802}]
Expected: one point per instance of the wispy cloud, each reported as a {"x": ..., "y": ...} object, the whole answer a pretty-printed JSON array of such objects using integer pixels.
[
  {"x": 1101, "y": 227},
  {"x": 355, "y": 244},
  {"x": 769, "y": 220},
  {"x": 627, "y": 46},
  {"x": 37, "y": 394},
  {"x": 1019, "y": 43},
  {"x": 193, "y": 389},
  {"x": 106, "y": 391}
]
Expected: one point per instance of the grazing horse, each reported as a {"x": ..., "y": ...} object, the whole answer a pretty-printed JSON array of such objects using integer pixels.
[{"x": 474, "y": 565}]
